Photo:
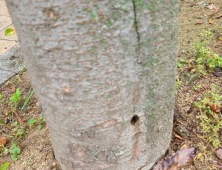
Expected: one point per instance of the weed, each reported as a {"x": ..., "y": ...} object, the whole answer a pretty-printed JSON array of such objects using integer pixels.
[
  {"x": 25, "y": 163},
  {"x": 178, "y": 83},
  {"x": 28, "y": 97},
  {"x": 205, "y": 57},
  {"x": 3, "y": 123},
  {"x": 28, "y": 108},
  {"x": 8, "y": 83},
  {"x": 40, "y": 121},
  {"x": 1, "y": 96},
  {"x": 180, "y": 63},
  {"x": 15, "y": 136},
  {"x": 17, "y": 79},
  {"x": 31, "y": 122},
  {"x": 197, "y": 87},
  {"x": 24, "y": 69},
  {"x": 15, "y": 152},
  {"x": 3, "y": 150},
  {"x": 14, "y": 100},
  {"x": 206, "y": 34},
  {"x": 209, "y": 108},
  {"x": 5, "y": 165},
  {"x": 18, "y": 131}
]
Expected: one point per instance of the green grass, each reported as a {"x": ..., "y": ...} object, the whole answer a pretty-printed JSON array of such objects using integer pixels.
[{"x": 211, "y": 119}]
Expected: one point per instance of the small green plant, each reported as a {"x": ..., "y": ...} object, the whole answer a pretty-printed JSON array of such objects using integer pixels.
[
  {"x": 15, "y": 152},
  {"x": 28, "y": 97},
  {"x": 202, "y": 56},
  {"x": 1, "y": 96},
  {"x": 18, "y": 131},
  {"x": 40, "y": 122},
  {"x": 197, "y": 87},
  {"x": 14, "y": 100},
  {"x": 31, "y": 121},
  {"x": 211, "y": 121},
  {"x": 23, "y": 69},
  {"x": 214, "y": 62},
  {"x": 5, "y": 165},
  {"x": 178, "y": 83},
  {"x": 206, "y": 34},
  {"x": 17, "y": 79},
  {"x": 205, "y": 57},
  {"x": 3, "y": 123},
  {"x": 25, "y": 164},
  {"x": 180, "y": 63},
  {"x": 15, "y": 136}
]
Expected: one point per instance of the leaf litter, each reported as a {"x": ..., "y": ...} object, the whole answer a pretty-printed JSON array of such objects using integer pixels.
[{"x": 182, "y": 158}]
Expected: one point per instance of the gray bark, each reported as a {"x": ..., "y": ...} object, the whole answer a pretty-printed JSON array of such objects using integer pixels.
[{"x": 104, "y": 72}]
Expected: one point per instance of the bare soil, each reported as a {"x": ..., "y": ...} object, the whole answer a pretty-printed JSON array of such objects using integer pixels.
[{"x": 37, "y": 152}]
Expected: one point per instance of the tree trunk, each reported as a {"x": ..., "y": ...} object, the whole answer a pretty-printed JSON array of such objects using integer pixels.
[{"x": 104, "y": 72}]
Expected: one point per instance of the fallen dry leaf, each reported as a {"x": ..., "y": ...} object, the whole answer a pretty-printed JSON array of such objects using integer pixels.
[
  {"x": 207, "y": 100},
  {"x": 19, "y": 119},
  {"x": 210, "y": 21},
  {"x": 182, "y": 158},
  {"x": 184, "y": 146},
  {"x": 2, "y": 141},
  {"x": 216, "y": 10},
  {"x": 13, "y": 89},
  {"x": 215, "y": 108},
  {"x": 9, "y": 31},
  {"x": 218, "y": 44},
  {"x": 219, "y": 38},
  {"x": 199, "y": 22},
  {"x": 216, "y": 164},
  {"x": 219, "y": 154}
]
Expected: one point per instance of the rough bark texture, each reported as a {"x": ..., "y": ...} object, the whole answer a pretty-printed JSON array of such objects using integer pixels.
[{"x": 104, "y": 72}]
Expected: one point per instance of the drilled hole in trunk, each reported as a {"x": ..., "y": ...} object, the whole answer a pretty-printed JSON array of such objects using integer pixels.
[{"x": 134, "y": 119}]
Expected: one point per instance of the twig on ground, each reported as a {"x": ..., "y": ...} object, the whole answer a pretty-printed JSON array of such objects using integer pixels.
[
  {"x": 191, "y": 85},
  {"x": 195, "y": 165},
  {"x": 19, "y": 119},
  {"x": 198, "y": 136}
]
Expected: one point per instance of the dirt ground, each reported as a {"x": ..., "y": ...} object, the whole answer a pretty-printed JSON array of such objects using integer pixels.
[
  {"x": 192, "y": 87},
  {"x": 37, "y": 153}
]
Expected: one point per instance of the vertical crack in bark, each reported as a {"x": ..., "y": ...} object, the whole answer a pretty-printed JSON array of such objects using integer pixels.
[{"x": 137, "y": 31}]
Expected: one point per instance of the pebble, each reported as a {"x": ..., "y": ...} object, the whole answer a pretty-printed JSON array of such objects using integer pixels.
[
  {"x": 219, "y": 153},
  {"x": 54, "y": 163},
  {"x": 181, "y": 131}
]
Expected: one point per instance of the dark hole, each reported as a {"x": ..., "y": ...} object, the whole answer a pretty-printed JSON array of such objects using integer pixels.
[
  {"x": 12, "y": 57},
  {"x": 134, "y": 119}
]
